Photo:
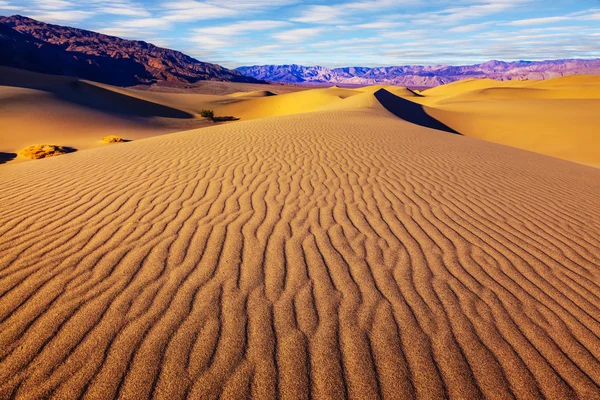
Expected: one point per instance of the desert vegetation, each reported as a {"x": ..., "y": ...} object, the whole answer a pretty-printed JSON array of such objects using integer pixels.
[
  {"x": 208, "y": 114},
  {"x": 112, "y": 139},
  {"x": 37, "y": 151}
]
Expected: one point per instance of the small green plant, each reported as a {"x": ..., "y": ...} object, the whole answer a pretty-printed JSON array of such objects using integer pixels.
[{"x": 207, "y": 114}]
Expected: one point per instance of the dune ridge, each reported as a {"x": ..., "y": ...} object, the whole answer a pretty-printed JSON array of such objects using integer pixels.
[
  {"x": 335, "y": 254},
  {"x": 555, "y": 117}
]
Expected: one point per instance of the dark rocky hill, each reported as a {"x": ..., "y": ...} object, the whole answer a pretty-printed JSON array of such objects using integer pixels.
[{"x": 36, "y": 46}]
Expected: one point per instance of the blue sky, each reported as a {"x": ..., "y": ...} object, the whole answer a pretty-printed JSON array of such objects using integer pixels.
[{"x": 339, "y": 33}]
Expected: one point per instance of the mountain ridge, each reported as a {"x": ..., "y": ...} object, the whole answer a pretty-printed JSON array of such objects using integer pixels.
[
  {"x": 418, "y": 75},
  {"x": 54, "y": 49}
]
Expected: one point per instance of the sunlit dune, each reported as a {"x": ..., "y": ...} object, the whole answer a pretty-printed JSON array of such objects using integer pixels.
[
  {"x": 332, "y": 243},
  {"x": 337, "y": 251},
  {"x": 40, "y": 108},
  {"x": 558, "y": 117},
  {"x": 555, "y": 117}
]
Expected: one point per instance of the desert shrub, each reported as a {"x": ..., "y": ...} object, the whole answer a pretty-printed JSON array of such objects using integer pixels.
[
  {"x": 112, "y": 139},
  {"x": 43, "y": 150},
  {"x": 207, "y": 114}
]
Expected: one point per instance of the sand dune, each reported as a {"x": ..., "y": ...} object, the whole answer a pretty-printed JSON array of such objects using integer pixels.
[
  {"x": 37, "y": 108},
  {"x": 332, "y": 254},
  {"x": 558, "y": 117}
]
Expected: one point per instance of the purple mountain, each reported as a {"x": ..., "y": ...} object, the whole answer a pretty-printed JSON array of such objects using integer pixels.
[{"x": 416, "y": 75}]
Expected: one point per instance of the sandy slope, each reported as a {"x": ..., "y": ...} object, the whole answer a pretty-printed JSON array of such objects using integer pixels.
[
  {"x": 37, "y": 108},
  {"x": 338, "y": 253},
  {"x": 558, "y": 117}
]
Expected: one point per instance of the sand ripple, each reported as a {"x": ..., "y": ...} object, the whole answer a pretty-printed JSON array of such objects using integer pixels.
[{"x": 328, "y": 255}]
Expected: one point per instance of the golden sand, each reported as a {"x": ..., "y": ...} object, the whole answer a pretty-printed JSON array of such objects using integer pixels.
[
  {"x": 558, "y": 117},
  {"x": 38, "y": 108},
  {"x": 339, "y": 253}
]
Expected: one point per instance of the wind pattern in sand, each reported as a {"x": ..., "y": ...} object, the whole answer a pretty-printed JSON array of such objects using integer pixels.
[{"x": 336, "y": 254}]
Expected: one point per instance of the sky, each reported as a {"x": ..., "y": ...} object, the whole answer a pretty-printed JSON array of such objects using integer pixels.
[{"x": 339, "y": 33}]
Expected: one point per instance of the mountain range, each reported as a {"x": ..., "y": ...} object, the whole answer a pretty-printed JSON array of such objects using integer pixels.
[
  {"x": 415, "y": 75},
  {"x": 52, "y": 49}
]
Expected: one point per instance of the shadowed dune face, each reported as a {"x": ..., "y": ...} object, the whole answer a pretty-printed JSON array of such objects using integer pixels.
[
  {"x": 88, "y": 94},
  {"x": 409, "y": 111},
  {"x": 327, "y": 255},
  {"x": 258, "y": 93}
]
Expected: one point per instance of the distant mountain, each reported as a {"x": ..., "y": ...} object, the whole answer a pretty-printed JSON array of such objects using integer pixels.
[
  {"x": 416, "y": 75},
  {"x": 36, "y": 46}
]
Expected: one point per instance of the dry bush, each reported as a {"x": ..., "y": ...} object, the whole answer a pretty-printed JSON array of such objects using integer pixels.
[
  {"x": 112, "y": 139},
  {"x": 44, "y": 150}
]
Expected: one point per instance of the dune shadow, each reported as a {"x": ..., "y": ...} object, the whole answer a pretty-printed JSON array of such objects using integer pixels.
[
  {"x": 99, "y": 98},
  {"x": 409, "y": 111},
  {"x": 68, "y": 149},
  {"x": 417, "y": 94},
  {"x": 225, "y": 119},
  {"x": 91, "y": 96},
  {"x": 6, "y": 157}
]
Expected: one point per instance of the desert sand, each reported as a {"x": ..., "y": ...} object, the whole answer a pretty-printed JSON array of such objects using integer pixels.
[
  {"x": 357, "y": 248},
  {"x": 37, "y": 108},
  {"x": 558, "y": 117}
]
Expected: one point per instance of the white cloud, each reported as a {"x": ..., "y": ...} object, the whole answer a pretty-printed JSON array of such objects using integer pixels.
[
  {"x": 137, "y": 29},
  {"x": 190, "y": 10},
  {"x": 63, "y": 16},
  {"x": 53, "y": 4},
  {"x": 241, "y": 27},
  {"x": 587, "y": 15},
  {"x": 155, "y": 23},
  {"x": 344, "y": 42},
  {"x": 454, "y": 16},
  {"x": 297, "y": 35},
  {"x": 321, "y": 14},
  {"x": 252, "y": 4},
  {"x": 209, "y": 42},
  {"x": 470, "y": 27},
  {"x": 537, "y": 21},
  {"x": 4, "y": 5},
  {"x": 378, "y": 25},
  {"x": 125, "y": 11}
]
